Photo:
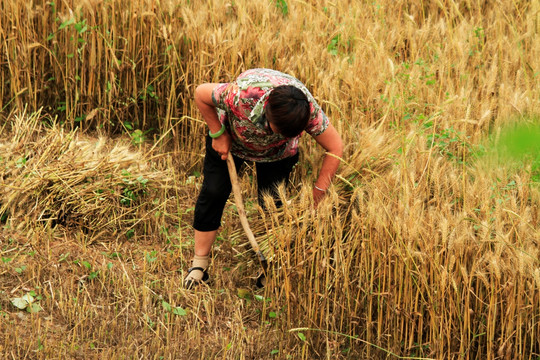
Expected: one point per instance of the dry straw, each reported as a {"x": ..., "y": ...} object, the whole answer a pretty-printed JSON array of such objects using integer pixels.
[{"x": 422, "y": 249}]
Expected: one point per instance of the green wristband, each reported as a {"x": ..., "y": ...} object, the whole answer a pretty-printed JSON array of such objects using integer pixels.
[{"x": 219, "y": 133}]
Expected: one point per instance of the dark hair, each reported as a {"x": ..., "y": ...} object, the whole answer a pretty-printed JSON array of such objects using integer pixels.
[{"x": 288, "y": 110}]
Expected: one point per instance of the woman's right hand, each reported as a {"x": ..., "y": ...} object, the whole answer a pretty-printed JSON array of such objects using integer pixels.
[
  {"x": 203, "y": 100},
  {"x": 222, "y": 145}
]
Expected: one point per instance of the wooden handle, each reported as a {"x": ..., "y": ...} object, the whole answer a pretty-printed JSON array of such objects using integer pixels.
[{"x": 240, "y": 206}]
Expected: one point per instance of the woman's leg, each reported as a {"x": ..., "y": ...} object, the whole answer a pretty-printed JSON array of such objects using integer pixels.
[
  {"x": 270, "y": 175},
  {"x": 215, "y": 191}
]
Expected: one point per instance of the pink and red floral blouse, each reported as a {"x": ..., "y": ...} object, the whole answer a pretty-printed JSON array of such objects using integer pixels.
[{"x": 241, "y": 107}]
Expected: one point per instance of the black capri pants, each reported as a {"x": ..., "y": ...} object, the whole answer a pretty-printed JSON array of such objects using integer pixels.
[{"x": 216, "y": 186}]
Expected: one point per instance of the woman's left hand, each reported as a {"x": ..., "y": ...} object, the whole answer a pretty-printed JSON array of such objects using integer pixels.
[
  {"x": 332, "y": 143},
  {"x": 318, "y": 195}
]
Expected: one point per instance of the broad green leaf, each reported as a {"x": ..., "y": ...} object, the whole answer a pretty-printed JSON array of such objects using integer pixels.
[
  {"x": 179, "y": 311},
  {"x": 28, "y": 298},
  {"x": 166, "y": 306},
  {"x": 34, "y": 308},
  {"x": 66, "y": 23},
  {"x": 243, "y": 293},
  {"x": 19, "y": 303}
]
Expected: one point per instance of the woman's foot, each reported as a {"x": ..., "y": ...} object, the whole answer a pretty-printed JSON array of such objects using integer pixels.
[
  {"x": 196, "y": 276},
  {"x": 197, "y": 272}
]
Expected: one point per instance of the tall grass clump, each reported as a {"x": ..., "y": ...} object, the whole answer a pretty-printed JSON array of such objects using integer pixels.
[{"x": 426, "y": 246}]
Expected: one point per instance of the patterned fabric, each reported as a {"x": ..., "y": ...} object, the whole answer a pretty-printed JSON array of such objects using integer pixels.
[{"x": 241, "y": 107}]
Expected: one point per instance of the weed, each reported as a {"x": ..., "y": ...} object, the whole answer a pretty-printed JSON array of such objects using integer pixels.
[
  {"x": 28, "y": 302},
  {"x": 283, "y": 7},
  {"x": 133, "y": 189},
  {"x": 334, "y": 44},
  {"x": 452, "y": 144}
]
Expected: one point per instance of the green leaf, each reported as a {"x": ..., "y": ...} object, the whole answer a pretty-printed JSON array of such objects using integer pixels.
[
  {"x": 302, "y": 336},
  {"x": 20, "y": 162},
  {"x": 63, "y": 257},
  {"x": 282, "y": 5},
  {"x": 166, "y": 305},
  {"x": 179, "y": 311},
  {"x": 81, "y": 27},
  {"x": 149, "y": 321},
  {"x": 272, "y": 315},
  {"x": 66, "y": 23},
  {"x": 142, "y": 180},
  {"x": 19, "y": 303},
  {"x": 243, "y": 293},
  {"x": 151, "y": 256},
  {"x": 333, "y": 46},
  {"x": 28, "y": 298},
  {"x": 137, "y": 137},
  {"x": 34, "y": 308},
  {"x": 130, "y": 233}
]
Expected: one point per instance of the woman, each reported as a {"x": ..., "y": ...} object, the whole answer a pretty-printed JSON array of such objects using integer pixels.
[{"x": 259, "y": 117}]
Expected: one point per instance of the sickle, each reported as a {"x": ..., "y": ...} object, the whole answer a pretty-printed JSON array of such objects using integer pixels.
[{"x": 243, "y": 218}]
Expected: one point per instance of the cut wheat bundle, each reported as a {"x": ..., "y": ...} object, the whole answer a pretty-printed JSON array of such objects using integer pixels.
[{"x": 66, "y": 178}]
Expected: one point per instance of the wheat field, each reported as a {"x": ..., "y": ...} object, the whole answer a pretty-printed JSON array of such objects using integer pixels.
[{"x": 427, "y": 245}]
